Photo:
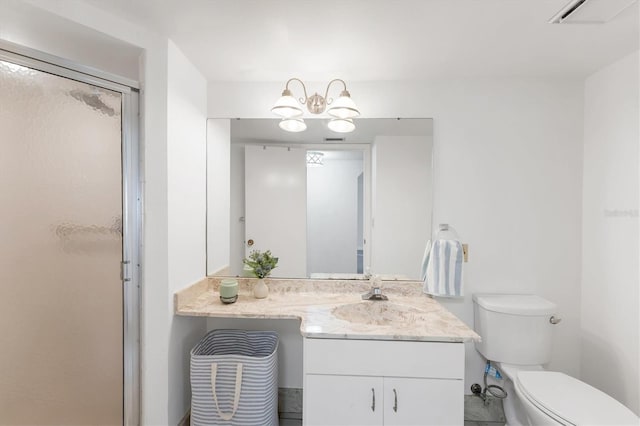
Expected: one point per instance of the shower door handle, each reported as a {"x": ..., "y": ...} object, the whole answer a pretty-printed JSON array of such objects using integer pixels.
[{"x": 124, "y": 271}]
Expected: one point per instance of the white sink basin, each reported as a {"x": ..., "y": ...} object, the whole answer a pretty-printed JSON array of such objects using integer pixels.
[{"x": 377, "y": 313}]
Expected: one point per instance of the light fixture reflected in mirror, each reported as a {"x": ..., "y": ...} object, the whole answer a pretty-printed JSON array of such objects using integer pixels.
[
  {"x": 315, "y": 159},
  {"x": 342, "y": 125},
  {"x": 343, "y": 109},
  {"x": 293, "y": 125}
]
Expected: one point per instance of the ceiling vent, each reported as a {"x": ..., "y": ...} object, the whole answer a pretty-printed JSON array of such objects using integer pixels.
[
  {"x": 590, "y": 11},
  {"x": 334, "y": 139}
]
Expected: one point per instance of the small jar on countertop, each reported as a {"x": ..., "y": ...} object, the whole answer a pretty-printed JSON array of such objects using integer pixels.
[{"x": 228, "y": 290}]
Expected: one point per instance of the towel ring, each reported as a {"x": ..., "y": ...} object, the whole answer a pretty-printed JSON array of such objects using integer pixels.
[{"x": 446, "y": 232}]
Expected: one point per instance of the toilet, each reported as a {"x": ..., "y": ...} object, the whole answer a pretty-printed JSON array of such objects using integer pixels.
[{"x": 516, "y": 332}]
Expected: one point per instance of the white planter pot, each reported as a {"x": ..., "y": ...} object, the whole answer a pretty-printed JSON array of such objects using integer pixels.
[{"x": 260, "y": 289}]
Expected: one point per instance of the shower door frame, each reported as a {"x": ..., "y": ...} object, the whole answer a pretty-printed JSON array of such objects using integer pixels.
[{"x": 132, "y": 202}]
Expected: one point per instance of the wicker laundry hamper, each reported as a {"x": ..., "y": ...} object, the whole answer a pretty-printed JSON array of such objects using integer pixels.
[{"x": 234, "y": 379}]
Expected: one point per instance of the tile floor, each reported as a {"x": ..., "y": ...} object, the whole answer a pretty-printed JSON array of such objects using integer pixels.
[{"x": 477, "y": 413}]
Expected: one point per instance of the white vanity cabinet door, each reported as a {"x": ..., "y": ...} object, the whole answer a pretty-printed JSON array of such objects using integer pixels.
[
  {"x": 422, "y": 402},
  {"x": 428, "y": 378},
  {"x": 343, "y": 400}
]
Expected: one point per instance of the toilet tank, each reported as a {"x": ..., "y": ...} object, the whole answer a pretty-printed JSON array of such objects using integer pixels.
[{"x": 515, "y": 328}]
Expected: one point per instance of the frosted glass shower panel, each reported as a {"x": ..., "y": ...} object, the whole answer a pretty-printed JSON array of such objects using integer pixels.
[{"x": 60, "y": 250}]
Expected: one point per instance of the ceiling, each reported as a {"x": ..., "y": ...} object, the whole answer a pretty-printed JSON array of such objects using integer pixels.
[{"x": 371, "y": 40}]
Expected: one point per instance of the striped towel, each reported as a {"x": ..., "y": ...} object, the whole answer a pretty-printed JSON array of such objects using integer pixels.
[{"x": 442, "y": 268}]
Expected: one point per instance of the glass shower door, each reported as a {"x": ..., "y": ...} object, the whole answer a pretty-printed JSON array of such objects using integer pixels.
[{"x": 61, "y": 295}]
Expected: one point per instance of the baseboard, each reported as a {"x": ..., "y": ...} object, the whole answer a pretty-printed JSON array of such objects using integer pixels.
[
  {"x": 290, "y": 403},
  {"x": 186, "y": 419}
]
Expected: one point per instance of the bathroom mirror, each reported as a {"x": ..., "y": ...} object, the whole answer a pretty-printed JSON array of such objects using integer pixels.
[{"x": 328, "y": 205}]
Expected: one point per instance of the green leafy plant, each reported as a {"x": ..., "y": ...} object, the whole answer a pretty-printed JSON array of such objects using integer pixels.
[{"x": 261, "y": 264}]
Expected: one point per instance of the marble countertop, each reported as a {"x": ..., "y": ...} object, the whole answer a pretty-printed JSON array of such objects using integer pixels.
[{"x": 333, "y": 309}]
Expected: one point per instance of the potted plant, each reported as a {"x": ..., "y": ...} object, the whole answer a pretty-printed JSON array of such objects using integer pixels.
[{"x": 261, "y": 264}]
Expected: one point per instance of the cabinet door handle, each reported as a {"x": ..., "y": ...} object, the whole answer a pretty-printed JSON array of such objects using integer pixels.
[
  {"x": 395, "y": 401},
  {"x": 373, "y": 399}
]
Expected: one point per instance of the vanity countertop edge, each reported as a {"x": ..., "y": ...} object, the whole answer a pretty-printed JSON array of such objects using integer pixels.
[{"x": 313, "y": 302}]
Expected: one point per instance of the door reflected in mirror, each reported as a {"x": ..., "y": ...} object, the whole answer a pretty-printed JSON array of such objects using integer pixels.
[
  {"x": 335, "y": 212},
  {"x": 327, "y": 205}
]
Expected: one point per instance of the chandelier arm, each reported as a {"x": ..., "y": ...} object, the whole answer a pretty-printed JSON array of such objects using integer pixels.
[
  {"x": 304, "y": 89},
  {"x": 326, "y": 93}
]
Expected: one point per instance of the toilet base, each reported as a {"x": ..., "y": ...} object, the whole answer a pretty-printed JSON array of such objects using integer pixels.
[{"x": 513, "y": 409}]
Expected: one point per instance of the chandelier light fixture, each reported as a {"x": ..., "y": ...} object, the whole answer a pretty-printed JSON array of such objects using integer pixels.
[{"x": 342, "y": 110}]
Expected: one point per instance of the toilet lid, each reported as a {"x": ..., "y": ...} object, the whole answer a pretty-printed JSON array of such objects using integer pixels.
[{"x": 573, "y": 401}]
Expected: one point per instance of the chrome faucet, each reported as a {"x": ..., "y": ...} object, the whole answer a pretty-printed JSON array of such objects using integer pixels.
[{"x": 374, "y": 294}]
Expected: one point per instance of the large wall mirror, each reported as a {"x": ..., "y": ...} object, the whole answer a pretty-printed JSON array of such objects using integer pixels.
[{"x": 328, "y": 205}]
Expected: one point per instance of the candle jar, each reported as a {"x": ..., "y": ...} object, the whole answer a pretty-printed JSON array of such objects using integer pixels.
[{"x": 228, "y": 290}]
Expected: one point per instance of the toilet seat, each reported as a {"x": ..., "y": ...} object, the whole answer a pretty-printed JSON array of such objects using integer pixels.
[
  {"x": 528, "y": 400},
  {"x": 571, "y": 402}
]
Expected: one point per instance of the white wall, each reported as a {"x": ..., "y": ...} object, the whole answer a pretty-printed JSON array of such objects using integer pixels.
[
  {"x": 402, "y": 204},
  {"x": 332, "y": 216},
  {"x": 186, "y": 167},
  {"x": 508, "y": 156},
  {"x": 610, "y": 319}
]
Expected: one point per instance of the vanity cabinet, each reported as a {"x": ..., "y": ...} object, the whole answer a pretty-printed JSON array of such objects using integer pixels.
[{"x": 369, "y": 382}]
